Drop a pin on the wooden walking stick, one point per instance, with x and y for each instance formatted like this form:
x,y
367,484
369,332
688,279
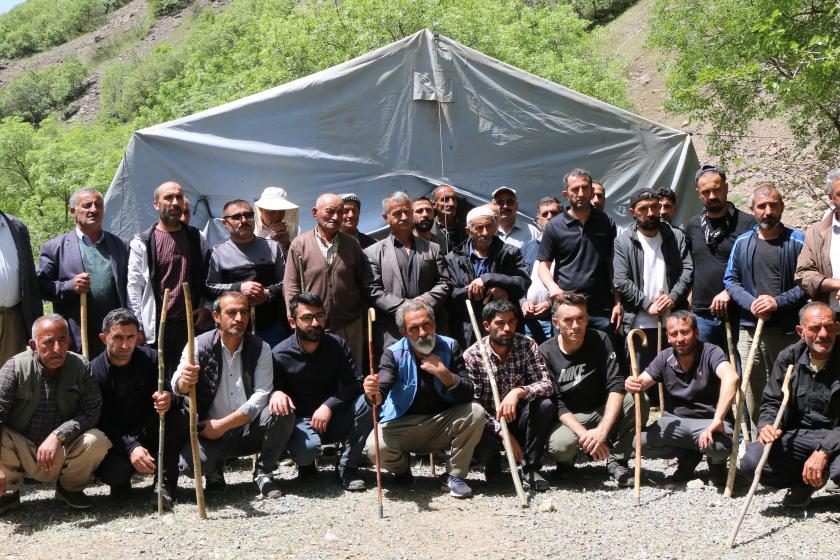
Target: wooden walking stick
x,y
162,415
371,318
637,483
253,320
730,341
83,324
661,386
740,426
196,454
485,357
764,454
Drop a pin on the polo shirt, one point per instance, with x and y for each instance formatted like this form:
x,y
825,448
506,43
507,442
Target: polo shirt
x,y
519,234
693,393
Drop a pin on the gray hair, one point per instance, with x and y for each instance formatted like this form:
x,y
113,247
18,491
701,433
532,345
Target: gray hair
x,y
811,305
764,189
48,318
75,195
577,172
411,306
832,177
400,196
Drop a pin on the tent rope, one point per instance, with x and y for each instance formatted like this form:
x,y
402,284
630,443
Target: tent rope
x,y
440,136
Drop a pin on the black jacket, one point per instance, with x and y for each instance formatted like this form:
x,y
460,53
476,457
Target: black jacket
x,y
30,297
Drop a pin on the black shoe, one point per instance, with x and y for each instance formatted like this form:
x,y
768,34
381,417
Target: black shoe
x,y
686,467
168,496
717,473
9,501
307,472
405,479
620,472
214,480
534,481
76,500
350,478
798,496
267,486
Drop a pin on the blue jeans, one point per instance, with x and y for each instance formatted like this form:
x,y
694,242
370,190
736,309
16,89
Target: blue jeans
x,y
352,423
539,330
275,334
713,329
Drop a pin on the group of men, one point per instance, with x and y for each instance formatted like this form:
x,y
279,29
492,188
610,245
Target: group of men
x,y
280,360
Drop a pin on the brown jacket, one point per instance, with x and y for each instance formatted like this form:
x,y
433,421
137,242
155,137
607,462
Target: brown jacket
x,y
343,285
814,264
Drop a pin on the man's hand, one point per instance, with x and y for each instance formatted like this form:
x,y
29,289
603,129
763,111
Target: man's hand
x,y
81,283
590,440
616,315
497,293
142,460
280,404
707,437
46,452
813,474
528,310
632,385
541,307
211,429
768,435
719,304
764,306
162,401
507,408
475,289
371,388
554,292
431,364
189,377
660,305
321,418
255,292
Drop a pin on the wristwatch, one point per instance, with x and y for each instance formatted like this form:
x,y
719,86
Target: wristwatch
x,y
59,436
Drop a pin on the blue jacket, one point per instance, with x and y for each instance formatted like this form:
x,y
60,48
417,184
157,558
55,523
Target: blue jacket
x,y
738,278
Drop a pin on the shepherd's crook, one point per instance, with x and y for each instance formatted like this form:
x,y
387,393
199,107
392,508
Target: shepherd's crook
x,y
83,320
514,471
196,453
161,368
637,482
371,319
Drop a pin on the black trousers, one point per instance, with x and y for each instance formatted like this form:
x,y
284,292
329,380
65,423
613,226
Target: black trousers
x,y
784,465
532,425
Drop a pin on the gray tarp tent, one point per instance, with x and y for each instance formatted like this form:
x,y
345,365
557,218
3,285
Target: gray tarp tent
x,y
407,116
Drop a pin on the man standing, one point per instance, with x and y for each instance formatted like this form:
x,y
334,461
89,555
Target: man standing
x,y
165,256
350,222
447,226
319,384
86,260
700,385
524,386
233,378
426,400
424,219
404,268
667,205
536,305
599,196
711,236
508,230
251,265
20,300
818,267
335,269
809,451
760,279
49,405
595,415
482,269
127,377
277,217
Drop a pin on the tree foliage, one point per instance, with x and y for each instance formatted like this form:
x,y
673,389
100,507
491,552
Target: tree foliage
x,y
36,93
735,62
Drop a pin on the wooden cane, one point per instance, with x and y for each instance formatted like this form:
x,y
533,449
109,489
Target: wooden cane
x,y
514,471
432,464
253,320
739,427
661,386
730,341
301,269
83,324
747,370
162,415
196,454
371,318
637,483
764,454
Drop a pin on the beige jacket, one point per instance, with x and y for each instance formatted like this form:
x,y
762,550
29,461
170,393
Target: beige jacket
x,y
814,264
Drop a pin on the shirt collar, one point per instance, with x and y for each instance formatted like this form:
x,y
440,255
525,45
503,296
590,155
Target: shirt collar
x,y
235,352
323,240
86,240
397,243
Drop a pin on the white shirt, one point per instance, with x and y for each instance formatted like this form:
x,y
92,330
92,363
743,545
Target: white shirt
x,y
9,267
834,256
518,235
653,278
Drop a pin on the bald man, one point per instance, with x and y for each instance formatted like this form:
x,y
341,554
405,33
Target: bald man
x,y
333,267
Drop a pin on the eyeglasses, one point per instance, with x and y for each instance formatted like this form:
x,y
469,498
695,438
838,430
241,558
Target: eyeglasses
x,y
240,216
307,319
505,201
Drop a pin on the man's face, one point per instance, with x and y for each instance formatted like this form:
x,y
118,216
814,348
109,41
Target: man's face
x,y
681,336
120,342
667,210
51,343
186,215
599,196
502,328
309,322
233,317
329,213
169,203
646,214
482,230
819,330
350,219
546,212
239,221
767,210
507,204
571,322
272,217
578,192
90,208
399,216
712,191
420,331
424,215
446,204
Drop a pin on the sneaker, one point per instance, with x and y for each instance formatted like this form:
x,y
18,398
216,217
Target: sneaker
x,y
457,487
350,478
405,479
9,501
798,496
214,481
685,468
717,473
168,496
534,481
267,486
76,500
620,472
831,487
307,472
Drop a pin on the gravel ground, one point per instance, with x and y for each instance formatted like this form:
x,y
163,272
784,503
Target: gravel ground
x,y
592,519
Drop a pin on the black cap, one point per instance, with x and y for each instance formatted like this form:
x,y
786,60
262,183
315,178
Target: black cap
x,y
642,194
708,167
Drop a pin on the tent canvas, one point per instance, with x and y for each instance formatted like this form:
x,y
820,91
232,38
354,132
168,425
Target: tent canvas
x,y
408,116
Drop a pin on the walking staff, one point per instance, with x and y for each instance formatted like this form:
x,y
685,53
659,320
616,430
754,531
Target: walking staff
x,y
196,454
740,426
161,369
371,318
83,320
637,483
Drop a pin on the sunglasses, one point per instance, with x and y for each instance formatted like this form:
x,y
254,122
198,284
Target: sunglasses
x,y
240,216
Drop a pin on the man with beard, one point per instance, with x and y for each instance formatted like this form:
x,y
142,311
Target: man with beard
x,y
426,400
525,387
482,269
251,265
233,376
88,260
760,279
424,219
447,226
700,385
508,230
599,196
653,270
319,384
667,205
536,305
711,235
350,222
808,453
165,256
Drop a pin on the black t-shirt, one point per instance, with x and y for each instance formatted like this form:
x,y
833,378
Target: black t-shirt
x,y
582,254
710,261
691,394
765,269
583,380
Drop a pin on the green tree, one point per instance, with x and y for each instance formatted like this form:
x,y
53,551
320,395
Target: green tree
x,y
36,93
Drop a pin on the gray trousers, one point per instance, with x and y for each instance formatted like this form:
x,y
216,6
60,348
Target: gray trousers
x,y
676,437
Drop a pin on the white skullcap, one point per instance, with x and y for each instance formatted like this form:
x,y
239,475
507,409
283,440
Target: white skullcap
x,y
480,212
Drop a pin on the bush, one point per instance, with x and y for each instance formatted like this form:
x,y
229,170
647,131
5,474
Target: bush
x,y
166,7
37,93
126,87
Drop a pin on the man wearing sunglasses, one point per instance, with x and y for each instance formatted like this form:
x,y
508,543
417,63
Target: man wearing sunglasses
x,y
509,231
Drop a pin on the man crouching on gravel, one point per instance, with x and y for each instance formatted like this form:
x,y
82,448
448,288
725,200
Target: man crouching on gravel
x,y
700,385
426,401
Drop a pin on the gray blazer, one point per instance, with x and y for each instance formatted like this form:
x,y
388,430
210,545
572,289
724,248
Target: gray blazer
x,y
30,298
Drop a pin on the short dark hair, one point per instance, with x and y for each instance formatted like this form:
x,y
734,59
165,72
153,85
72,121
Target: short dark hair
x,y
568,298
497,307
709,168
577,172
547,201
119,316
237,202
217,305
665,192
426,198
304,298
683,315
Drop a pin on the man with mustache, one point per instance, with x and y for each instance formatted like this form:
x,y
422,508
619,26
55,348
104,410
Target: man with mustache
x,y
700,386
447,227
350,221
424,220
426,401
760,279
807,454
88,260
504,198
319,384
536,305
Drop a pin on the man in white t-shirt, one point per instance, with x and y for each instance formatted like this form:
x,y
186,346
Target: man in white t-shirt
x,y
653,271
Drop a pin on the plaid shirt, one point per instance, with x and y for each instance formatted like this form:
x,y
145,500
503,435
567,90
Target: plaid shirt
x,y
524,368
329,250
